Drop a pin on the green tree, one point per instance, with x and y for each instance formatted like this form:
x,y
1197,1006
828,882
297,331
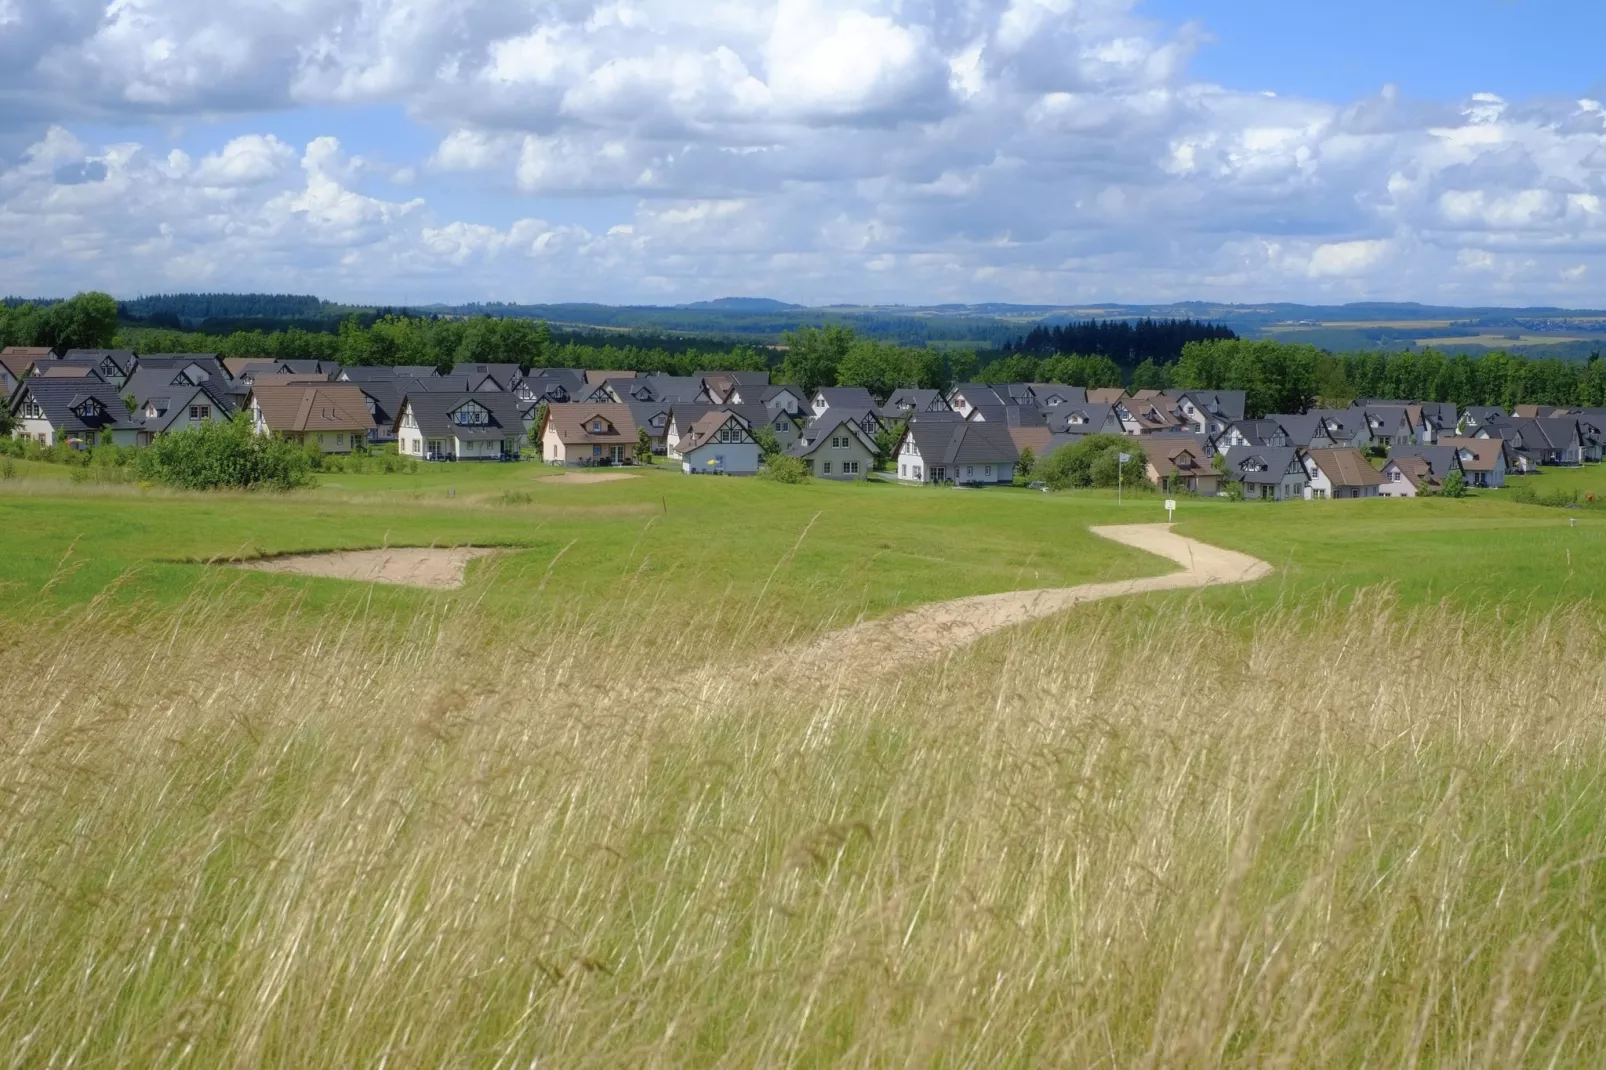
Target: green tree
x,y
219,454
784,468
769,446
1454,485
1093,462
87,321
1024,466
534,434
644,446
1150,376
813,355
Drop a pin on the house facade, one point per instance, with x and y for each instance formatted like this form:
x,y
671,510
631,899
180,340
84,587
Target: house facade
x,y
1340,473
471,426
331,416
581,435
719,443
836,449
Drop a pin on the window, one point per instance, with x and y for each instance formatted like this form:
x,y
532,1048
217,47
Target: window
x,y
472,416
916,470
903,470
970,470
826,468
200,412
596,427
850,468
988,472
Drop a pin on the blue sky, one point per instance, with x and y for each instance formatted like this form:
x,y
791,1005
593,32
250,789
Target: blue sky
x,y
813,150
1430,48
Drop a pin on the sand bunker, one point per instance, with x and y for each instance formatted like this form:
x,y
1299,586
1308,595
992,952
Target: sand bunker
x,y
588,477
413,566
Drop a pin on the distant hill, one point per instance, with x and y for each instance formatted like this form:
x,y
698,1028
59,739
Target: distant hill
x,y
741,304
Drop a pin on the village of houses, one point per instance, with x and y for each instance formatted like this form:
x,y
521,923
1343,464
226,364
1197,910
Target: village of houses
x,y
973,434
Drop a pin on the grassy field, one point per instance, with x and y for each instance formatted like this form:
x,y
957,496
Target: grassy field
x,y
1349,815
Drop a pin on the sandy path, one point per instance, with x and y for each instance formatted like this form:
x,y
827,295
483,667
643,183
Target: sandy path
x,y
930,630
413,566
587,477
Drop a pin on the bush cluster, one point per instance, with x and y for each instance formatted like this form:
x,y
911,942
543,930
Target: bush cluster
x,y
784,468
1093,462
227,454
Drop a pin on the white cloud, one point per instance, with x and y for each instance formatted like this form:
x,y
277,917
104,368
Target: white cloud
x,y
1034,150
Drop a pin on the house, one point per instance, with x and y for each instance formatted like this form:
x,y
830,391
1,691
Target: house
x,y
85,411
580,434
383,373
867,419
1039,440
171,399
900,403
856,398
784,397
1089,419
735,388
1482,460
113,365
1342,427
1477,416
502,377
1397,425
1266,473
1340,473
476,425
966,397
1207,412
1540,441
196,367
1147,416
324,369
383,398
15,362
1179,462
836,448
1303,430
1053,395
1263,432
718,443
1106,395
57,369
331,416
1414,471
964,452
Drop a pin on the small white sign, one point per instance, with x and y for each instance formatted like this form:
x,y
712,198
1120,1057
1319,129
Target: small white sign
x,y
1125,457
1170,508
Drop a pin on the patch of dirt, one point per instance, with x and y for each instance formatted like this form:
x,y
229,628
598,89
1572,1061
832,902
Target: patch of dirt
x,y
588,477
935,629
411,566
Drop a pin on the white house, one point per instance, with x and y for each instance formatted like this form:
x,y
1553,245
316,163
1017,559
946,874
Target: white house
x,y
719,443
473,426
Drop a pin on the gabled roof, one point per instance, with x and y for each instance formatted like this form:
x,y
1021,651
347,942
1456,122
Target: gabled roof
x,y
1039,439
1106,395
1259,465
1302,428
1440,459
824,428
302,407
1170,454
1346,467
57,369
1092,417
847,397
1225,404
1416,471
64,402
965,442
1042,393
975,394
705,430
436,414
505,376
1257,432
592,423
157,413
913,399
122,359
207,363
597,376
1476,454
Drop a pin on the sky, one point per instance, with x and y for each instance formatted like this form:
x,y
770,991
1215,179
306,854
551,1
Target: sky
x,y
818,151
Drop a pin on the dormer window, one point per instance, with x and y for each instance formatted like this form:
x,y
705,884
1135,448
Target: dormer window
x,y
472,415
31,409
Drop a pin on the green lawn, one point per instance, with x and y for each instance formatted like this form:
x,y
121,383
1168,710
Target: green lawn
x,y
664,542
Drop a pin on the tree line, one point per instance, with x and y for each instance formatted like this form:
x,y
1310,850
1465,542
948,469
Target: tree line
x,y
1126,343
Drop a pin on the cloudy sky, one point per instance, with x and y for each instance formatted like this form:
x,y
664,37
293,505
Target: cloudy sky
x,y
915,151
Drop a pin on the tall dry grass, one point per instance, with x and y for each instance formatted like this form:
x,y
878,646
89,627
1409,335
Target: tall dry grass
x,y
1357,836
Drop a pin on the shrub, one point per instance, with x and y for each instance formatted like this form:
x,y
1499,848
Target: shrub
x,y
1454,486
1093,462
8,468
784,468
225,454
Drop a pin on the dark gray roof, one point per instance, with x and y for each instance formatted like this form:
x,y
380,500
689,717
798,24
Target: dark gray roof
x,y
124,359
207,362
64,401
1095,417
847,397
966,442
976,394
311,367
178,400
1441,459
1227,404
913,399
1071,395
1257,465
1258,432
506,376
831,423
434,413
1300,427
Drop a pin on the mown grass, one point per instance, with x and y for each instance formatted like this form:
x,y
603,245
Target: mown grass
x,y
1331,834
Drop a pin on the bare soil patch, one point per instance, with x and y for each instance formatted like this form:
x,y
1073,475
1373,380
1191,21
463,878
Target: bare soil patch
x,y
411,566
588,477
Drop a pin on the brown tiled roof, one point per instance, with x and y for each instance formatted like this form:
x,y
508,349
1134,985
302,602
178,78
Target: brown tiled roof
x,y
1037,439
706,427
1168,455
1106,395
1485,452
595,377
1416,470
57,370
236,365
324,406
573,421
1346,468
